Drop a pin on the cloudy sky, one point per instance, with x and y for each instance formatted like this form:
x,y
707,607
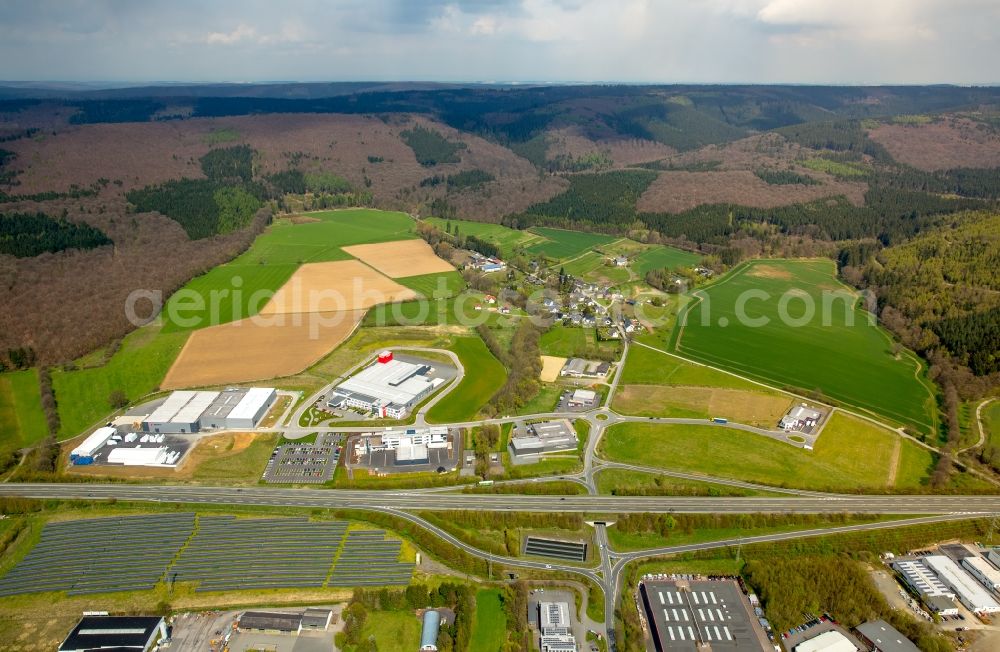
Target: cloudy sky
x,y
798,41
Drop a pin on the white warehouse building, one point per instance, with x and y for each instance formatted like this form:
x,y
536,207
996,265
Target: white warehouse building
x,y
983,571
922,579
969,592
388,388
188,411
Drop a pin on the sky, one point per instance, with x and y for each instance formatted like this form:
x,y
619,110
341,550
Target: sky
x,y
643,41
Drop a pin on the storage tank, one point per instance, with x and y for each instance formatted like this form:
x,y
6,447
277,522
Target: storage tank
x,y
429,633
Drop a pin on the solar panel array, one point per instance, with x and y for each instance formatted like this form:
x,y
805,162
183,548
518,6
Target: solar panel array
x,y
223,553
100,555
369,559
229,554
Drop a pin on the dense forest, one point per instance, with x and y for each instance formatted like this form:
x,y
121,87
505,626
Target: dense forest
x,y
29,234
430,147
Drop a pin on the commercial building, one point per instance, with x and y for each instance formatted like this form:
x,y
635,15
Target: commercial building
x,y
545,437
159,456
828,641
580,368
582,398
555,627
800,417
967,590
115,633
983,571
940,605
389,388
188,412
410,445
922,579
270,621
883,637
429,631
315,619
993,554
691,615
84,453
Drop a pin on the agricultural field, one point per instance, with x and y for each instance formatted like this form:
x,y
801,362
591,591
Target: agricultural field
x,y
506,238
849,455
484,376
251,279
756,408
137,369
661,257
436,285
22,421
489,626
561,244
568,342
335,286
835,349
645,366
400,258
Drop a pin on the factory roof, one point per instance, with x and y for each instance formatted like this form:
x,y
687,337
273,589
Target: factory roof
x,y
251,403
885,637
828,641
138,456
170,407
102,632
315,617
395,381
553,615
922,578
584,395
984,568
94,441
194,408
276,620
971,592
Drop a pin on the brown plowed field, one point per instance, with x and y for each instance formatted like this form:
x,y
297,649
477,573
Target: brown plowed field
x,y
674,192
259,348
334,286
753,408
947,143
401,258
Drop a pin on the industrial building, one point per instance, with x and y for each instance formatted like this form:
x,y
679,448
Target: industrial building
x,y
139,456
940,605
582,398
84,453
389,388
691,615
829,641
922,579
983,571
969,592
580,368
429,631
800,417
883,637
270,621
545,437
188,411
555,627
115,633
993,554
411,446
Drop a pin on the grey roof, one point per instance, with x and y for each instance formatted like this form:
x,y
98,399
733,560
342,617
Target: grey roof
x,y
313,617
885,637
276,620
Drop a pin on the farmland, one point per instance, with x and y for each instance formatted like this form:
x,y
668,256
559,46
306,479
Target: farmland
x,y
251,279
483,378
663,257
22,421
508,239
850,455
561,244
569,342
436,285
758,408
847,358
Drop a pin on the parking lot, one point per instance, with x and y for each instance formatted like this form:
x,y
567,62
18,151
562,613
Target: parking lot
x,y
305,463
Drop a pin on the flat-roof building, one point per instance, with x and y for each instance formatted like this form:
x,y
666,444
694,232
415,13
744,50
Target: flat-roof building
x,y
883,637
582,398
941,605
983,571
545,437
115,633
388,388
969,592
84,453
580,368
922,579
138,456
555,627
251,408
188,412
828,641
800,416
993,554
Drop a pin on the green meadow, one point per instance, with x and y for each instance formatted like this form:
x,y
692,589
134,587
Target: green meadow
x,y
834,348
22,422
563,244
243,286
484,376
506,238
661,257
489,626
440,285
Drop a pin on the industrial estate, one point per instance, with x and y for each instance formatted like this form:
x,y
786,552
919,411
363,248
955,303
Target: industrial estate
x,y
494,369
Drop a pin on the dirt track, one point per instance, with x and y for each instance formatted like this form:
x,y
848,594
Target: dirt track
x,y
401,258
259,348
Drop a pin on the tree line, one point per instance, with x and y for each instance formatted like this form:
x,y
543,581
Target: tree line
x,y
524,365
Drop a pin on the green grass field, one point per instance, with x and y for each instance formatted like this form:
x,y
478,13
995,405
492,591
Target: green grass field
x,y
991,422
244,467
562,244
570,341
850,454
644,366
663,257
22,422
249,280
484,376
136,369
507,239
620,482
489,627
437,286
848,362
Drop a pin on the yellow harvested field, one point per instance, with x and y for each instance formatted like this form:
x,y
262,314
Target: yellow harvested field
x,y
259,348
753,408
551,366
401,258
335,286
